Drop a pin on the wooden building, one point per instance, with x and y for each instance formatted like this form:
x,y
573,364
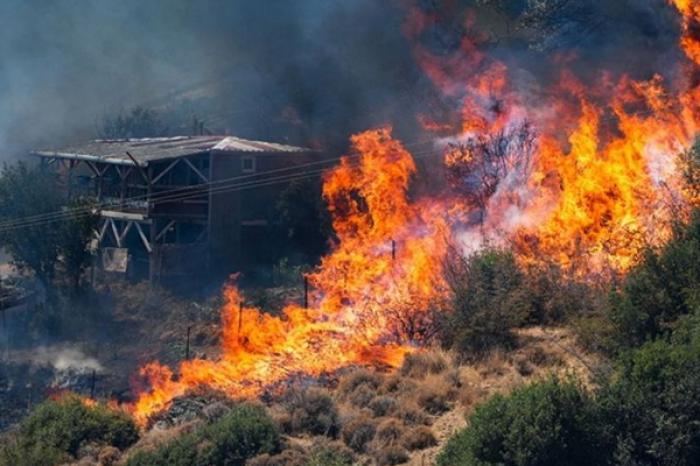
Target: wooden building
x,y
177,206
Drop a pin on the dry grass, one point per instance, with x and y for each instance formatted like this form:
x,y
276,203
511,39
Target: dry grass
x,y
418,438
389,432
358,433
420,364
391,455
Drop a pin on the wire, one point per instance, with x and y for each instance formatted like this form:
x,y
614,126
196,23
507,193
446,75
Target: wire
x,y
57,215
192,191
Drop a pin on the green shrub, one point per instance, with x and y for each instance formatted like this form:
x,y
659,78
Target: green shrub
x,y
55,431
489,299
662,288
652,408
246,431
546,423
325,453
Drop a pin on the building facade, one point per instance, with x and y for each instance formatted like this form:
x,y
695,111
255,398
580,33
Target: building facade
x,y
173,207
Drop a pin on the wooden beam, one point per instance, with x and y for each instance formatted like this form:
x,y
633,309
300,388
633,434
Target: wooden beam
x,y
164,230
194,169
126,229
165,171
138,167
143,238
115,232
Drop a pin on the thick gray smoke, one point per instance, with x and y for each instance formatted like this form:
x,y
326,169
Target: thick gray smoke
x,y
303,71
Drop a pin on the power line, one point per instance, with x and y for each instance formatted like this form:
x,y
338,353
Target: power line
x,y
189,192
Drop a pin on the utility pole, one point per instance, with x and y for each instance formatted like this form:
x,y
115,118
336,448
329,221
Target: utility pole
x,y
393,249
306,292
240,320
187,343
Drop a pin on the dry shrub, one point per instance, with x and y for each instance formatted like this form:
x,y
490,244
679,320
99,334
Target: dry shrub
x,y
395,384
389,432
412,414
324,452
361,396
383,405
418,438
289,457
358,432
391,455
357,378
418,365
523,367
313,411
436,394
541,358
108,456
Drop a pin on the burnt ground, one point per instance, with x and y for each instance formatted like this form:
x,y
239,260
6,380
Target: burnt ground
x,y
111,332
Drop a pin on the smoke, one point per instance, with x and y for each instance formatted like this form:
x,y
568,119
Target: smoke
x,y
65,359
308,72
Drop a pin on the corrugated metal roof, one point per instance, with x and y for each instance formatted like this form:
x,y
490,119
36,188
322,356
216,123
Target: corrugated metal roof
x,y
146,150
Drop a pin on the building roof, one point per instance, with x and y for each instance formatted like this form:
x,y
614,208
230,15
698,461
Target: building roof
x,y
145,150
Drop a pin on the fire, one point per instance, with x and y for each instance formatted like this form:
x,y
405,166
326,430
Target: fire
x,y
363,290
581,175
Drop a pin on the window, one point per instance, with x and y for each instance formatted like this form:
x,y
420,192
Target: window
x,y
248,164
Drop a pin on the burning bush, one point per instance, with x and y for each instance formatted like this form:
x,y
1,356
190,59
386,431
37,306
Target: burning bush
x,y
56,430
241,434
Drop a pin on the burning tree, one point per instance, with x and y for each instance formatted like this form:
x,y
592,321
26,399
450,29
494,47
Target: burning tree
x,y
478,166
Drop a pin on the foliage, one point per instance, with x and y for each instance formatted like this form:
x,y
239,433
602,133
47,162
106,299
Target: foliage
x,y
488,299
662,288
243,433
56,430
547,423
358,432
652,410
29,193
139,122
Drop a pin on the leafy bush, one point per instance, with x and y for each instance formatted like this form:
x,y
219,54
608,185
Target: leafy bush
x,y
662,288
246,431
56,430
488,299
333,453
547,423
652,409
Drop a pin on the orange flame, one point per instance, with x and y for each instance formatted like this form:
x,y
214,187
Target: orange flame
x,y
590,179
360,290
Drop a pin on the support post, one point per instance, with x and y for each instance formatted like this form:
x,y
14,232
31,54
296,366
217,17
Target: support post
x,y
240,320
306,292
393,249
187,344
92,384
